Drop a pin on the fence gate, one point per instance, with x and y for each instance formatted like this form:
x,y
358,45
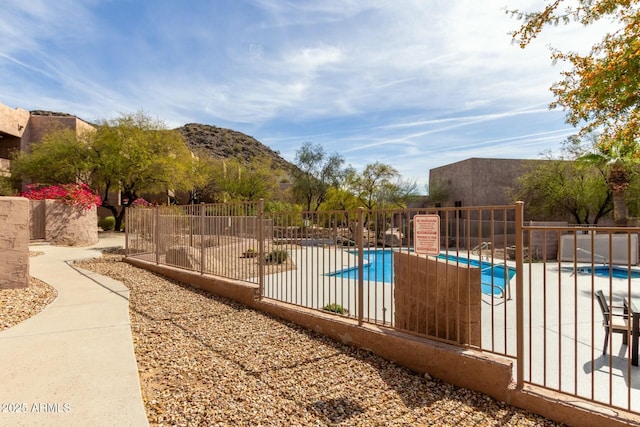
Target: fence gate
x,y
37,219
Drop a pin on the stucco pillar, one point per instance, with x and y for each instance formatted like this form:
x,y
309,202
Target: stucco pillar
x,y
14,242
68,225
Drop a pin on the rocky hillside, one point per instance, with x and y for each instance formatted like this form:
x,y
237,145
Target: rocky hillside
x,y
226,143
219,142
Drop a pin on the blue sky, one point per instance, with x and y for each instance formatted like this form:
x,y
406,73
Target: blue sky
x,y
416,84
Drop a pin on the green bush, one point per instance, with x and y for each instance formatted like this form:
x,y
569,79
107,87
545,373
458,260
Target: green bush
x,y
5,187
335,308
277,256
107,224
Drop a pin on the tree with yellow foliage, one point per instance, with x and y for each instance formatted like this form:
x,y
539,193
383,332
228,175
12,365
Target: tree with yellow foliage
x,y
601,91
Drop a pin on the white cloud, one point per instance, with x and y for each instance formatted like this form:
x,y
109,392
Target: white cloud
x,y
388,79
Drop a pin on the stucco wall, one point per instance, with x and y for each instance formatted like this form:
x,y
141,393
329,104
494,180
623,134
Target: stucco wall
x,y
624,248
14,242
13,121
437,299
68,225
21,129
13,124
544,244
39,126
480,181
5,167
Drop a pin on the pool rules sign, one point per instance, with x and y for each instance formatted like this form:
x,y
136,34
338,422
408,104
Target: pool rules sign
x,y
426,234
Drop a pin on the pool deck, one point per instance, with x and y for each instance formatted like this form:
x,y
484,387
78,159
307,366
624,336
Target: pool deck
x,y
563,323
562,316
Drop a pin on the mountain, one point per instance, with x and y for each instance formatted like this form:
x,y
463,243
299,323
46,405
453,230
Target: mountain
x,y
226,144
221,143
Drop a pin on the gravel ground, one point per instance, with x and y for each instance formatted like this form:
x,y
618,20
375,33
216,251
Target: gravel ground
x,y
20,304
205,360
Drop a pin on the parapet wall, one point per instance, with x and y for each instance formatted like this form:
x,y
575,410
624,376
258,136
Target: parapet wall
x,y
14,242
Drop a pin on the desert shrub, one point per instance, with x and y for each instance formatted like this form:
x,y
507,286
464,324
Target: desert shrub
x,y
5,187
335,308
277,256
107,224
140,203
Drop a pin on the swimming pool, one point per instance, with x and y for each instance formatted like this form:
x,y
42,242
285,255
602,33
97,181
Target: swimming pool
x,y
378,267
494,278
606,271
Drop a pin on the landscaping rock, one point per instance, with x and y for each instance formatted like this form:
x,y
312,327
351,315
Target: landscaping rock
x,y
184,256
205,360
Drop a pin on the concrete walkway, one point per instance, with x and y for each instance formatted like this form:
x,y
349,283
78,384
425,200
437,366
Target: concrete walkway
x,y
73,364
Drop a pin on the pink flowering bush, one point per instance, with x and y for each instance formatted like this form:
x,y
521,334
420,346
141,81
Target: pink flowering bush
x,y
72,194
141,203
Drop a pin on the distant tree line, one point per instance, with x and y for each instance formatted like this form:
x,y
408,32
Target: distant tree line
x,y
136,156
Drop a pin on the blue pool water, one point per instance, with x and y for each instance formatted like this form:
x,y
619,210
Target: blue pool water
x,y
492,276
379,267
615,272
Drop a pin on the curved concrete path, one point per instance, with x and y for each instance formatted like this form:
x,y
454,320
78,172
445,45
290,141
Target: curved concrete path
x,y
72,364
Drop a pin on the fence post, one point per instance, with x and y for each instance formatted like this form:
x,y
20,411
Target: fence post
x,y
157,233
202,246
519,296
190,215
360,246
127,213
261,254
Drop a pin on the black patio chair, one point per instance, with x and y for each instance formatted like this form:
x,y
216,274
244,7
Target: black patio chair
x,y
617,322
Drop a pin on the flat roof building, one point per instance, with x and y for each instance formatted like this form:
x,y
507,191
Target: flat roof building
x,y
20,128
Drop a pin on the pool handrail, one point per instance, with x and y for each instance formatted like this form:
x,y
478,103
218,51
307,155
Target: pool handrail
x,y
605,261
507,282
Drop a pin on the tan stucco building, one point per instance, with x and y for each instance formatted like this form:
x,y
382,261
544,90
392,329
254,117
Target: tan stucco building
x,y
20,128
477,181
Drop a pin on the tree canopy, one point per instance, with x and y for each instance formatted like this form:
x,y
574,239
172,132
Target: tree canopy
x,y
133,154
561,187
600,90
61,157
620,162
230,180
6,189
379,186
317,172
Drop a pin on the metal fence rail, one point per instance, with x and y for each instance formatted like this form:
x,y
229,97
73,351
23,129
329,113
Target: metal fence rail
x,y
536,302
564,326
218,239
340,261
